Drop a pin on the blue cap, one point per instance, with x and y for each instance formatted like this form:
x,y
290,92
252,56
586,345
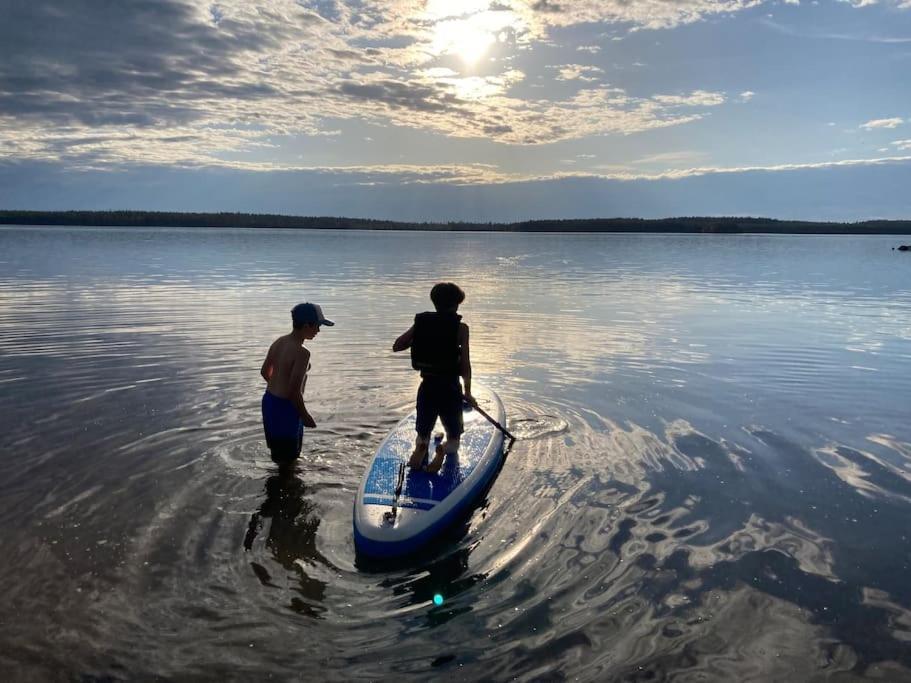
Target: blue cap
x,y
309,313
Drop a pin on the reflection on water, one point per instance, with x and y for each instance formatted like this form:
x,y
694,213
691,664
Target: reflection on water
x,y
293,522
712,478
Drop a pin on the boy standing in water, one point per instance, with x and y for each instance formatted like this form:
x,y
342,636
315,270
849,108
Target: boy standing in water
x,y
439,350
285,371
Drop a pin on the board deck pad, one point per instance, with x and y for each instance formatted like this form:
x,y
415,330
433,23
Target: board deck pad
x,y
423,490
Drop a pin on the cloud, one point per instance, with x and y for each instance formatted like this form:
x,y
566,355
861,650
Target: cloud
x,y
194,82
159,65
814,191
882,123
644,14
900,4
479,108
746,96
699,98
664,158
404,174
775,168
190,81
903,145
413,96
571,72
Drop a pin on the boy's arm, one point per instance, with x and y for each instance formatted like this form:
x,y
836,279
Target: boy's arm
x,y
298,384
266,369
404,341
465,362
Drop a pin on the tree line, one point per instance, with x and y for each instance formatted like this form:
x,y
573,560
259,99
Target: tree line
x,y
692,224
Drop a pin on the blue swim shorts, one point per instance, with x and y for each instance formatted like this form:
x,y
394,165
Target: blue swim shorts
x,y
283,427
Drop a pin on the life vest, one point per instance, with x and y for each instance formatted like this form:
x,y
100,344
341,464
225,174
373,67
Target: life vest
x,y
435,346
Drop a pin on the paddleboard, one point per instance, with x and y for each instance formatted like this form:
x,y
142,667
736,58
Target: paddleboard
x,y
427,503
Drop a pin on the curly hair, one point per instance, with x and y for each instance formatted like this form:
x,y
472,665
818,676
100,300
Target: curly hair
x,y
446,295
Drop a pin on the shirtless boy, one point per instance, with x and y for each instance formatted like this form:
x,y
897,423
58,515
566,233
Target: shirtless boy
x,y
285,371
439,350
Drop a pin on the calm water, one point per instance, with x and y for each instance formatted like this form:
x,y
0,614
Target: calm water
x,y
712,481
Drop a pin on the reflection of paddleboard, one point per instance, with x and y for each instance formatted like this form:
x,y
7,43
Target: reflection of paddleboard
x,y
428,503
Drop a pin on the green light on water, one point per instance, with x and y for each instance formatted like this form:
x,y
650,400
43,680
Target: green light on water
x,y
437,599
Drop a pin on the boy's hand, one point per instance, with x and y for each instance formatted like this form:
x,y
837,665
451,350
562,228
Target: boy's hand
x,y
471,400
308,421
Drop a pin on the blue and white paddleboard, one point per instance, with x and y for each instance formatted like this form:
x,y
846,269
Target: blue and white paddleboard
x,y
427,503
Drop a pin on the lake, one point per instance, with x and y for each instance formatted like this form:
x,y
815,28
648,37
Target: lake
x,y
712,478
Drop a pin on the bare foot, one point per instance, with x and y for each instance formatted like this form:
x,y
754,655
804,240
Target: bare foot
x,y
437,461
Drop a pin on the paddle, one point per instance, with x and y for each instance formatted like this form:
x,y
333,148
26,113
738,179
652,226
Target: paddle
x,y
496,424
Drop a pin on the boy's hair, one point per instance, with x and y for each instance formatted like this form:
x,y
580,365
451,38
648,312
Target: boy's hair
x,y
446,295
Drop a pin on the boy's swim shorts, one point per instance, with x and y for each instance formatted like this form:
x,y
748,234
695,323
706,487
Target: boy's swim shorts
x,y
439,397
283,427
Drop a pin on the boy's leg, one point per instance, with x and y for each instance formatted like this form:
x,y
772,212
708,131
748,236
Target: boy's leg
x,y
426,417
288,449
450,404
451,417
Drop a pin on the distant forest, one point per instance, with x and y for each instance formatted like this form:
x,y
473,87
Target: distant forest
x,y
731,225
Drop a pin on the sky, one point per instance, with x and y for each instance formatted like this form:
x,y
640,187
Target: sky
x,y
479,110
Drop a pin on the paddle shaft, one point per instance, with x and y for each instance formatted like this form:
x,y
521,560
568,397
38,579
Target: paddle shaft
x,y
491,420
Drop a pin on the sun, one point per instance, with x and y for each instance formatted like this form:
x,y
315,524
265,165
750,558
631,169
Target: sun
x,y
467,38
468,29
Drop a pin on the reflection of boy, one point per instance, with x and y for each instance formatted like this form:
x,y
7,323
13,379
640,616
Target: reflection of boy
x,y
285,371
439,350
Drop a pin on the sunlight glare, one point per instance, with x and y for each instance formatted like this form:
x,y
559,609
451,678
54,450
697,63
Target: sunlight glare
x,y
463,37
467,29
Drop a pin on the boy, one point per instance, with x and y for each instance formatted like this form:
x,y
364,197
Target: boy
x,y
285,371
439,350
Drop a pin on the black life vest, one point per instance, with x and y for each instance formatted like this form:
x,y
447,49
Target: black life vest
x,y
435,348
